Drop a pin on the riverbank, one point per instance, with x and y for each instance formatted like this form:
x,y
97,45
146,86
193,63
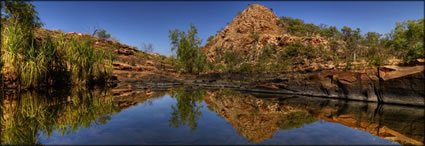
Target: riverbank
x,y
387,84
395,84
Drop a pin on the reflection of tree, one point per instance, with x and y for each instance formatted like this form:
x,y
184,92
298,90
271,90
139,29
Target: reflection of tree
x,y
26,115
187,108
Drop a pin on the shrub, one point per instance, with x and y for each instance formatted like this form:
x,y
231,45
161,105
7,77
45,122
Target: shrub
x,y
375,60
210,38
219,67
294,49
239,13
232,59
415,53
245,67
103,35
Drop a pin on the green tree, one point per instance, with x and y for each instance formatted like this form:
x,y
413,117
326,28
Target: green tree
x,y
20,12
298,27
187,46
352,38
407,39
374,52
311,29
103,34
372,38
346,31
330,32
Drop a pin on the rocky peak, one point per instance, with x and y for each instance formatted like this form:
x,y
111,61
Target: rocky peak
x,y
249,31
255,18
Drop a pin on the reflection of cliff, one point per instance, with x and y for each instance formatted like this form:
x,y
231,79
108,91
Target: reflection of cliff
x,y
129,95
398,123
65,111
254,118
258,119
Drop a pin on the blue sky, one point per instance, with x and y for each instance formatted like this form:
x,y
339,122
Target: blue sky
x,y
134,23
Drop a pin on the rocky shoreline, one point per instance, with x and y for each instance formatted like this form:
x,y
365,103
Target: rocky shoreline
x,y
387,84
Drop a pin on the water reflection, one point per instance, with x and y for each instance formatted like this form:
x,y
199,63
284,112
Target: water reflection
x,y
257,119
254,118
27,114
31,116
187,109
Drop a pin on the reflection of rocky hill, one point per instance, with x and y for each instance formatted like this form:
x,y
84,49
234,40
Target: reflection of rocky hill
x,y
254,118
258,119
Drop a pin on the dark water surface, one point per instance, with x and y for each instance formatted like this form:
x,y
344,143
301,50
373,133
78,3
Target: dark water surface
x,y
120,116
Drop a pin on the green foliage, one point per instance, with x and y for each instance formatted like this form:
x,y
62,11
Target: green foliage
x,y
85,63
415,52
232,60
297,49
372,38
334,45
352,38
210,38
407,40
103,35
189,54
245,67
22,55
271,60
375,60
264,58
330,32
219,67
41,61
298,27
20,12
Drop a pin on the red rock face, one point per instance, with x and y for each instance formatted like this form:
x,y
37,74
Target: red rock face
x,y
250,31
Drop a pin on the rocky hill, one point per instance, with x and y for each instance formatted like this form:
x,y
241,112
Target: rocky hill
x,y
253,29
238,35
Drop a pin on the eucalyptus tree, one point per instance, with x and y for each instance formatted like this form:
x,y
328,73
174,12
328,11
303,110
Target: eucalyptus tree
x,y
187,46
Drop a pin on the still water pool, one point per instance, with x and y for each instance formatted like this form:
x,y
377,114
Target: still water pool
x,y
202,117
